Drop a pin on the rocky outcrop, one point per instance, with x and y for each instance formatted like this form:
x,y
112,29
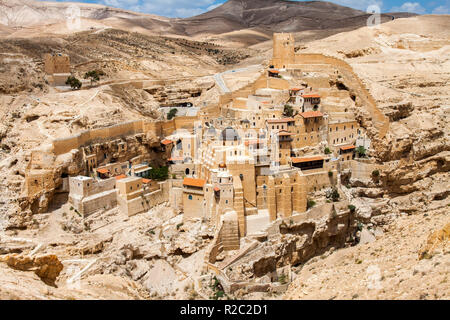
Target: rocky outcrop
x,y
438,239
46,267
295,240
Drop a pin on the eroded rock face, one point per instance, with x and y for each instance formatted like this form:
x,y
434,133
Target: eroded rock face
x,y
437,240
46,267
297,242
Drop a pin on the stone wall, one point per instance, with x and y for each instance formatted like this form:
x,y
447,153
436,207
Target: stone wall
x,y
144,202
380,121
158,128
56,64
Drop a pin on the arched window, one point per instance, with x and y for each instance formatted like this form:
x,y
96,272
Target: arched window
x,y
190,197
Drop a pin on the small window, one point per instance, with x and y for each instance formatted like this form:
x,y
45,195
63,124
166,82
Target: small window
x,y
190,197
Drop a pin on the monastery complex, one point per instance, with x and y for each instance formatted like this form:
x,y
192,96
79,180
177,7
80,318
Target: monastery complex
x,y
239,166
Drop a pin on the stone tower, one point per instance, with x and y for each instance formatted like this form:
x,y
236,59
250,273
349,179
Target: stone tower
x,y
283,50
56,63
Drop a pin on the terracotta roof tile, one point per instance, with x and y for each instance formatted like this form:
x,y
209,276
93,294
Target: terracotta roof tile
x,y
103,170
311,114
282,120
122,176
166,142
302,160
312,95
191,182
285,133
348,147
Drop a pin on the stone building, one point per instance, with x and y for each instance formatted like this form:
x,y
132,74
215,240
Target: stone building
x,y
194,202
57,67
136,195
342,133
87,195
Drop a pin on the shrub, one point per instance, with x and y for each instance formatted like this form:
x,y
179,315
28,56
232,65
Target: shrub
x,y
352,208
310,203
172,114
288,111
334,195
74,83
159,174
327,150
361,151
376,173
219,294
330,174
282,279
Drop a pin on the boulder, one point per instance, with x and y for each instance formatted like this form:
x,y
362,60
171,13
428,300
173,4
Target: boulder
x,y
46,267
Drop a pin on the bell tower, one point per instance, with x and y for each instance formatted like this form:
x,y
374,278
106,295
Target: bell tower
x,y
283,50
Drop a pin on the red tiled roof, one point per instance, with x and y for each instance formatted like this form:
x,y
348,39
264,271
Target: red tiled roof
x,y
312,95
103,170
301,160
175,159
222,165
295,89
251,142
312,114
122,176
199,183
273,71
216,189
285,133
280,120
166,142
348,147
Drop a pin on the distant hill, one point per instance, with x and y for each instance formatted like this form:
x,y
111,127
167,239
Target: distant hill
x,y
278,16
262,17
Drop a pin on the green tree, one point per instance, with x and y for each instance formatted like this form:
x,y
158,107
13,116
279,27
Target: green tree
x,y
94,75
361,151
288,111
159,174
327,150
172,113
74,83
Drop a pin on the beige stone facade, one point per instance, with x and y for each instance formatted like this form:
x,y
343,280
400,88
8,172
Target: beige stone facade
x,y
87,195
283,50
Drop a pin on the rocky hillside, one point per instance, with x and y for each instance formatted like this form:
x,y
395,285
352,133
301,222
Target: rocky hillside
x,y
17,13
404,209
